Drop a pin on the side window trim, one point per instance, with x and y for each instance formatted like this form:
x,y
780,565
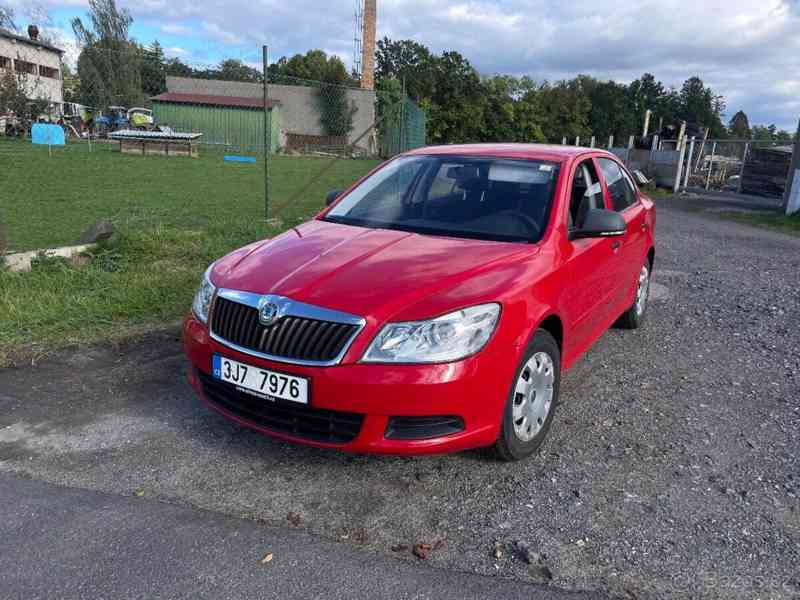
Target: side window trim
x,y
580,170
609,205
575,172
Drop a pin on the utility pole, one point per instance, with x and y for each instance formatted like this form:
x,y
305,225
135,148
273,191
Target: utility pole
x,y
267,133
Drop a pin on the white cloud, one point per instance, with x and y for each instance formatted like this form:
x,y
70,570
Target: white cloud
x,y
746,49
222,35
176,51
176,29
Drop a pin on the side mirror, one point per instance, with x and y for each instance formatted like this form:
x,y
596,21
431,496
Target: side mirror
x,y
600,222
332,196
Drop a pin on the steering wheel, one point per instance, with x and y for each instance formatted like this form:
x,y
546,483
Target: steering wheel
x,y
527,219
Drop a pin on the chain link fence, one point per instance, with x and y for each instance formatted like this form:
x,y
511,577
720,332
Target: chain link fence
x,y
261,151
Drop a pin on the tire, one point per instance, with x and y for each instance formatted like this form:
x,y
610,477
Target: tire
x,y
514,442
633,318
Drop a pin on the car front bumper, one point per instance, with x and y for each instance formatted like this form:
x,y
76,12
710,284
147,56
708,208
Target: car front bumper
x,y
474,390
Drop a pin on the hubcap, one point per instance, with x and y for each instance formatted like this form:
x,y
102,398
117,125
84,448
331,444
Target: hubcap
x,y
533,396
642,290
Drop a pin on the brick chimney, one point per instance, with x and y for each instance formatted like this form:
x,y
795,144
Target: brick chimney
x,y
368,47
33,32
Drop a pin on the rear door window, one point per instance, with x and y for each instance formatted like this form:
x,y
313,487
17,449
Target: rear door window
x,y
619,186
586,193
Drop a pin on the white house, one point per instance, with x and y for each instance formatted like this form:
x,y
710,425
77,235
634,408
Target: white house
x,y
38,62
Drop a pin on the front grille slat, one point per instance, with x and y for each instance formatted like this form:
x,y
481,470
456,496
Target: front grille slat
x,y
299,420
336,339
310,336
288,331
240,321
291,337
297,338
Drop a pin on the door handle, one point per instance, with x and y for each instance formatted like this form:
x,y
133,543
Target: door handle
x,y
644,226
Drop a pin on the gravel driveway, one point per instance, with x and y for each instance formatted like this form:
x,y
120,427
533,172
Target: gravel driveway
x,y
671,469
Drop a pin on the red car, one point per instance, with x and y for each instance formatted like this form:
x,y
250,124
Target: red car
x,y
432,307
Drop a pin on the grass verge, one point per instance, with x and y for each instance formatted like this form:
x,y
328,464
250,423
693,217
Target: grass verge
x,y
173,215
784,223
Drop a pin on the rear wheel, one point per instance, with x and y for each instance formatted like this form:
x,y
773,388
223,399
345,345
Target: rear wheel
x,y
634,316
532,400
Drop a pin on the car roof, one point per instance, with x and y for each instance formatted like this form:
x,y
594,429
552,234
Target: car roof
x,y
549,152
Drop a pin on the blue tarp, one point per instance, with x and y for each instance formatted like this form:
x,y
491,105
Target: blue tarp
x,y
241,159
47,134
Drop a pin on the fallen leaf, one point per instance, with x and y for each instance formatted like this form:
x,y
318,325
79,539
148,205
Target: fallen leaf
x,y
139,493
422,550
266,559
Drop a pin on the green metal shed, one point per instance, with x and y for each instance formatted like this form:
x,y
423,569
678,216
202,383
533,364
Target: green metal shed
x,y
233,121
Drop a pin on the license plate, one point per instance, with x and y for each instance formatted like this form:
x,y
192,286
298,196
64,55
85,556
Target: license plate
x,y
262,383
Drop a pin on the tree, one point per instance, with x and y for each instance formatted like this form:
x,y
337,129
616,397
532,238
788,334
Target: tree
x,y
739,126
770,133
306,69
14,99
457,107
645,94
407,61
608,114
174,67
235,70
153,69
565,110
700,105
513,112
109,62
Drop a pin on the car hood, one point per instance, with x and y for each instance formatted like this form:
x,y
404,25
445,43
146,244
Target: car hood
x,y
368,272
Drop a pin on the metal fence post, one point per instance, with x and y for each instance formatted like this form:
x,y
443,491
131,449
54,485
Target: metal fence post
x,y
741,171
653,149
591,142
610,142
564,141
267,133
679,170
403,137
689,163
711,164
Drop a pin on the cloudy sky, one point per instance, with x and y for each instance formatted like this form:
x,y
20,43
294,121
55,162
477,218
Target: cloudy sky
x,y
748,50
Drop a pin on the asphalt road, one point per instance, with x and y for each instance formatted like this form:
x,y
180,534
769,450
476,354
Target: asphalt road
x,y
671,469
65,543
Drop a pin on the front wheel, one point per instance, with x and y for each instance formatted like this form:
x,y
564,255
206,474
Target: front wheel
x,y
634,316
532,400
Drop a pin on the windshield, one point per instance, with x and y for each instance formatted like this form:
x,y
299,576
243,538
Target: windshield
x,y
482,198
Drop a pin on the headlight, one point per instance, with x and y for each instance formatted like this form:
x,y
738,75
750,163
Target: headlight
x,y
202,300
447,338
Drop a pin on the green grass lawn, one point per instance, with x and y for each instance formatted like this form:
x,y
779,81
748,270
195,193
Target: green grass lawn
x,y
174,216
784,223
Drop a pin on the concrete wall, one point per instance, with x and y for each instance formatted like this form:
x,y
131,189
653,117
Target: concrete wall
x,y
298,103
37,85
